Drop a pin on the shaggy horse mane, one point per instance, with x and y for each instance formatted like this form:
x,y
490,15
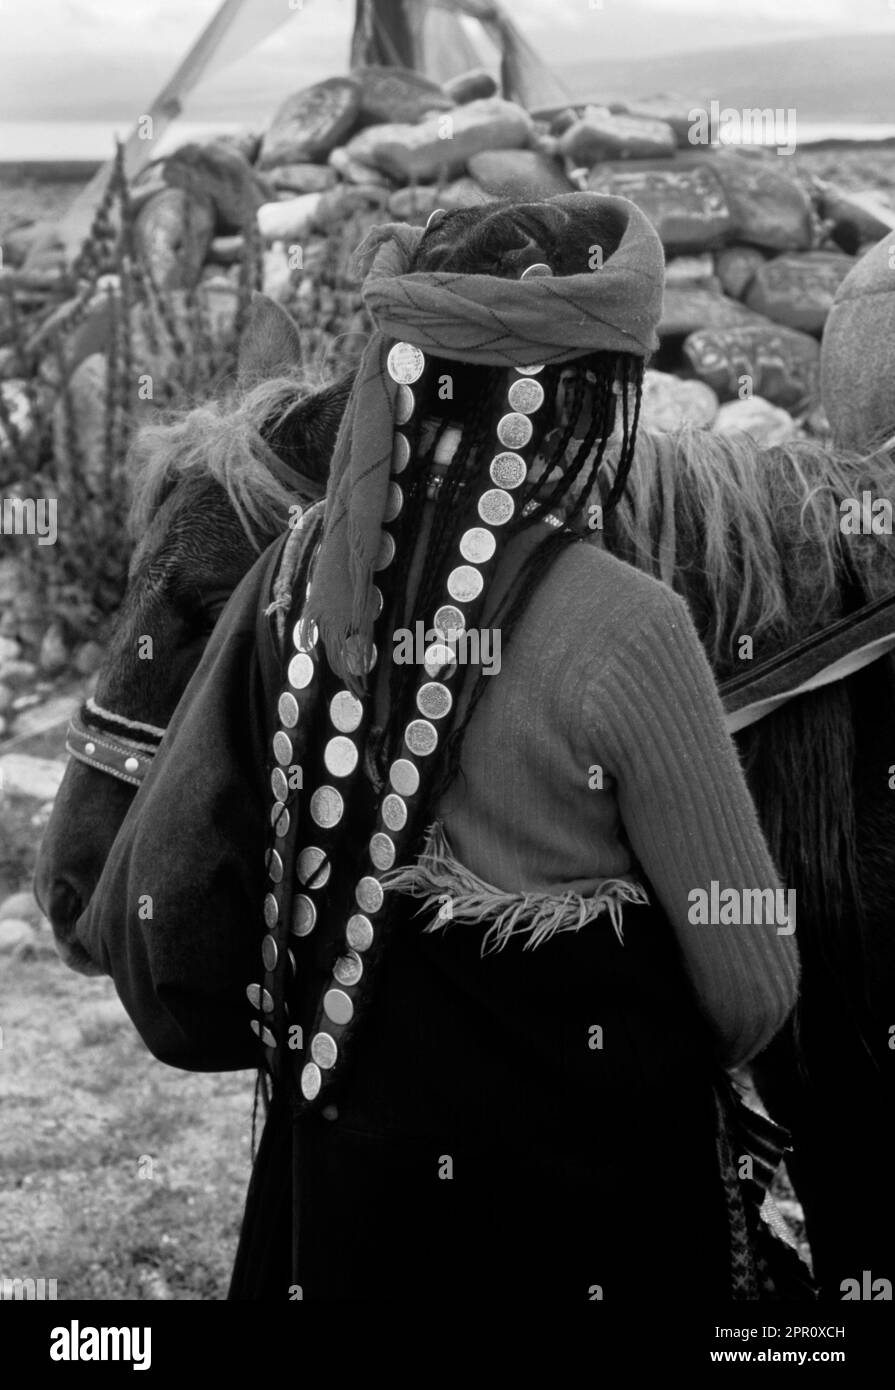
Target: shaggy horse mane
x,y
222,440
765,524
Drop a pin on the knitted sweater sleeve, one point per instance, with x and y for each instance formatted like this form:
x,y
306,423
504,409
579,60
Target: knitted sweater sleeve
x,y
689,817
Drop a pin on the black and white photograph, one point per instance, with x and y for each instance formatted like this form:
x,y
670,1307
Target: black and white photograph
x,y
447,672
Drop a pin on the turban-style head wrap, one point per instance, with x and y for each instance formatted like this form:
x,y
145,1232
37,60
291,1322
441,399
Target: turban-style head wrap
x,y
485,320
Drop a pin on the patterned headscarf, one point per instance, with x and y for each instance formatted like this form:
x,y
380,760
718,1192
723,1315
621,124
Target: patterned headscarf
x,y
479,319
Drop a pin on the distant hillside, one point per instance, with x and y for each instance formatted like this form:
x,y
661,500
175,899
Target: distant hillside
x,y
844,78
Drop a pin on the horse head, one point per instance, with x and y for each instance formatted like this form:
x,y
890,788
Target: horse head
x,y
213,489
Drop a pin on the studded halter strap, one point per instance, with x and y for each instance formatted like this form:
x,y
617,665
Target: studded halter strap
x,y
107,742
302,892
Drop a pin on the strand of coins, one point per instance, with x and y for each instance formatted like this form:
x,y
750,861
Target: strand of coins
x,y
396,818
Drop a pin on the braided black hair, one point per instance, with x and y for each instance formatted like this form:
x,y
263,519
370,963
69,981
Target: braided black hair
x,y
502,240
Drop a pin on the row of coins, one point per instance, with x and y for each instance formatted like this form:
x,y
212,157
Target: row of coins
x,y
434,699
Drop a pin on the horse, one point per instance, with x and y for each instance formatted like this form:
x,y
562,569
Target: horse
x,y
751,538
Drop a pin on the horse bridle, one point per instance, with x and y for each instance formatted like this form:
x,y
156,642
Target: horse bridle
x,y
107,742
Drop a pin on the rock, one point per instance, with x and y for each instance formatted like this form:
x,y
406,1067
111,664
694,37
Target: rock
x,y
3,726
19,240
29,776
768,208
407,204
798,290
310,123
397,94
46,714
777,363
464,193
226,250
87,396
686,309
520,174
353,171
17,674
54,651
868,213
560,120
767,424
858,352
686,204
276,273
602,136
735,267
6,698
669,402
303,178
339,204
219,299
217,171
173,232
289,221
670,108
14,934
21,906
441,145
696,272
247,142
10,650
21,413
474,85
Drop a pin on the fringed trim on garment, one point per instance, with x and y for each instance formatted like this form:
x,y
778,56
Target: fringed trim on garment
x,y
460,896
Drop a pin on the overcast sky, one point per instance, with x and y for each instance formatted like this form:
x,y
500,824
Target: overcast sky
x,y
88,58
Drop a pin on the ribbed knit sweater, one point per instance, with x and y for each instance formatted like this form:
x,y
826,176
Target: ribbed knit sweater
x,y
605,672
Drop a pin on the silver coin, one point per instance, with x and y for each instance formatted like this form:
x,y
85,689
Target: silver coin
x,y
530,371
369,894
404,405
378,601
260,998
281,823
278,784
434,700
340,756
263,1033
405,363
359,663
269,952
359,932
448,620
304,915
327,807
311,1081
274,866
526,395
477,545
400,452
514,430
271,911
292,966
324,1050
301,671
393,502
465,583
508,470
346,712
287,708
382,851
282,748
536,271
404,777
305,635
312,869
348,969
496,506
394,812
386,552
439,660
338,1007
421,737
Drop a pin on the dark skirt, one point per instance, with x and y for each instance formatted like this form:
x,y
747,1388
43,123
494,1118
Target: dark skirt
x,y
489,1142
